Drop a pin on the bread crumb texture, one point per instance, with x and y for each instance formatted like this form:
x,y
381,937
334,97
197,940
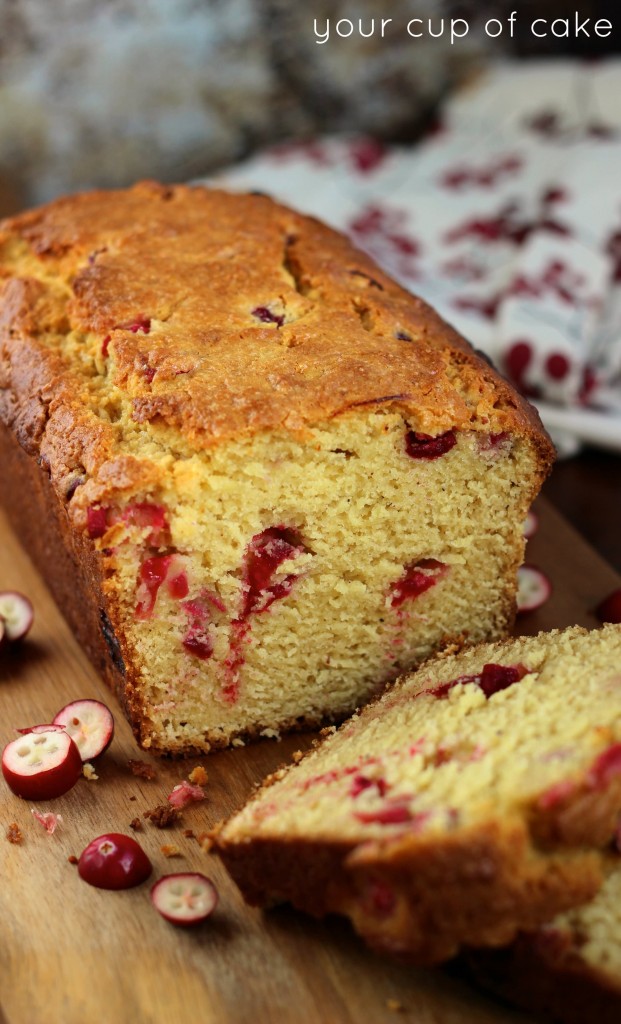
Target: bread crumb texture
x,y
299,480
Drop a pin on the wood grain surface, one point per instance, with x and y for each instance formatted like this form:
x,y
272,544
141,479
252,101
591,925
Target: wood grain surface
x,y
71,954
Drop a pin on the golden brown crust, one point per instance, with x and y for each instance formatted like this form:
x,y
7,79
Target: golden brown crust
x,y
476,887
196,263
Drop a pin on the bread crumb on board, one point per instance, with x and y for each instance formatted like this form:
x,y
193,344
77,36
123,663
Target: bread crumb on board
x,y
162,816
170,850
14,834
198,776
141,769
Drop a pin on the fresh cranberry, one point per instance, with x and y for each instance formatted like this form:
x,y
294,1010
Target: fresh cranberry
x,y
184,899
266,316
423,446
42,764
16,615
606,766
609,610
114,861
90,725
96,521
417,578
153,572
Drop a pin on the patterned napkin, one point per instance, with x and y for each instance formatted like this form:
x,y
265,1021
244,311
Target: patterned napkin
x,y
507,219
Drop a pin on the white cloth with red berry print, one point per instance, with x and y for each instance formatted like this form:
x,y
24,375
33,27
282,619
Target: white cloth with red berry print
x,y
507,219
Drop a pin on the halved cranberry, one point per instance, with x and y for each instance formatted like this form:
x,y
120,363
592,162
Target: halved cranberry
x,y
424,446
16,615
534,588
96,521
184,899
153,572
267,317
41,765
114,861
417,578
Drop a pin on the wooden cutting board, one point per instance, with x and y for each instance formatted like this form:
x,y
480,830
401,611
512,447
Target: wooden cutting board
x,y
71,954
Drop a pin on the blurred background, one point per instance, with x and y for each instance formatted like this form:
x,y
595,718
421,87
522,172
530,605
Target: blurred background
x,y
483,173
101,92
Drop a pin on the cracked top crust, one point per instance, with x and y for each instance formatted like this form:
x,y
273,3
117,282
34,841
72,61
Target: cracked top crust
x,y
219,315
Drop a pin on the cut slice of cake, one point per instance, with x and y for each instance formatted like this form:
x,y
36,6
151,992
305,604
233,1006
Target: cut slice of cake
x,y
259,477
569,969
473,799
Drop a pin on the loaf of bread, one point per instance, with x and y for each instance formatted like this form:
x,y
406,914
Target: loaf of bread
x,y
469,801
260,479
571,968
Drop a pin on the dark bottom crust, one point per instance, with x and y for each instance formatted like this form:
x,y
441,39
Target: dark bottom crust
x,y
563,988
